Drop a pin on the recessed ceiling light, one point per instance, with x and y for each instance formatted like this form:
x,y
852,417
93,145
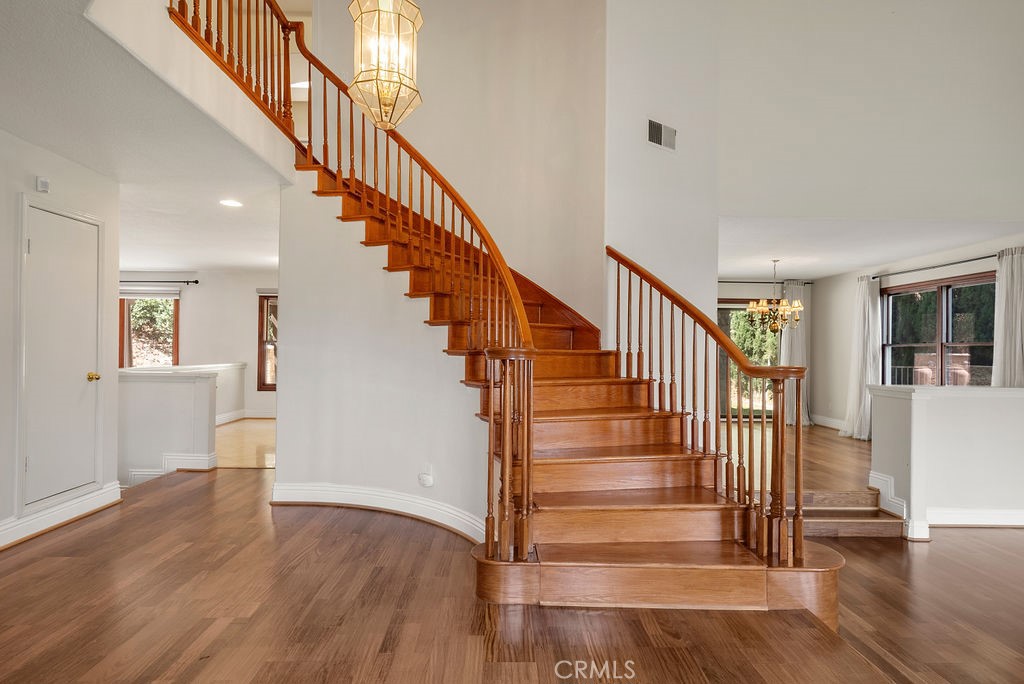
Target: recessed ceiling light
x,y
231,203
301,84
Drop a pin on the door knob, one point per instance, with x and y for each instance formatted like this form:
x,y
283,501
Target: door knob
x,y
92,377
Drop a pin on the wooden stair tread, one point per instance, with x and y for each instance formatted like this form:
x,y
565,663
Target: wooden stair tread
x,y
840,514
634,499
637,452
540,352
631,412
699,554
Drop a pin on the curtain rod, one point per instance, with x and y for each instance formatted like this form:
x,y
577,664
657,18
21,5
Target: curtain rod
x,y
759,282
180,282
931,268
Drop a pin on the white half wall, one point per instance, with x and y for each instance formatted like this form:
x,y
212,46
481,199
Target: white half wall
x,y
366,398
513,115
73,188
661,206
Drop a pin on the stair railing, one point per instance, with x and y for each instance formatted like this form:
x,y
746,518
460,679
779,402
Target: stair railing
x,y
697,372
446,243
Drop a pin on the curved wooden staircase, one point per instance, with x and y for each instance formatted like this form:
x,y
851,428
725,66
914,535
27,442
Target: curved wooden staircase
x,y
639,476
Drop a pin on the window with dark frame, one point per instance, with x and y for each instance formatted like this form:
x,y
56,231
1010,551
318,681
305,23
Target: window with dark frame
x,y
939,332
266,380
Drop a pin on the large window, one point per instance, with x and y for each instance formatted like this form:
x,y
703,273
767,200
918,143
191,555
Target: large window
x,y
267,380
939,332
148,332
760,346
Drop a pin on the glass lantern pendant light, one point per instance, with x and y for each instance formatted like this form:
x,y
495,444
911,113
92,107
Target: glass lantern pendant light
x,y
772,315
384,86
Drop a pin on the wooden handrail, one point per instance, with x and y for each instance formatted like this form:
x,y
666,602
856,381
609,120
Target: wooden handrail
x,y
723,340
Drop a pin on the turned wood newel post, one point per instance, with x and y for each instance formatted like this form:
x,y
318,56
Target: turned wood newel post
x,y
779,527
287,86
505,533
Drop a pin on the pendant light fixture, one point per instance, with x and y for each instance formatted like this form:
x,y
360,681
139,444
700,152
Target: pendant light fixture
x,y
384,86
774,314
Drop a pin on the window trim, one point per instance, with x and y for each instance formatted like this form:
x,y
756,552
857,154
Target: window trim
x,y
942,287
261,353
122,317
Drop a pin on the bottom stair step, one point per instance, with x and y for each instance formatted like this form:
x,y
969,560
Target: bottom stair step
x,y
705,575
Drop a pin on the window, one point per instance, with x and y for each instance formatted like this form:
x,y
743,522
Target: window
x,y
267,380
760,346
148,331
939,332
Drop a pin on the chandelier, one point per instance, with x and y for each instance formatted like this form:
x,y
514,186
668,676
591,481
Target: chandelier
x,y
774,314
384,86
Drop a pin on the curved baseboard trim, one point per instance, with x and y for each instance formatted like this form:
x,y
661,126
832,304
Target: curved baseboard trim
x,y
428,510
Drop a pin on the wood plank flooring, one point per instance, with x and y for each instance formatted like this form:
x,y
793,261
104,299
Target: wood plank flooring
x,y
196,578
249,443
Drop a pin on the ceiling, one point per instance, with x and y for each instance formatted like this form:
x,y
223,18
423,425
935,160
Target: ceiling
x,y
171,218
817,248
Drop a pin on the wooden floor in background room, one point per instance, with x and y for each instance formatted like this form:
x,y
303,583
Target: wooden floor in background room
x,y
196,578
249,443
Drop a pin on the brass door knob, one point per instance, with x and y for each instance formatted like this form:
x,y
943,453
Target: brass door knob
x,y
92,377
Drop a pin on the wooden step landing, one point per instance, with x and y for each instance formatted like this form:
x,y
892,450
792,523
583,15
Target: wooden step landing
x,y
839,522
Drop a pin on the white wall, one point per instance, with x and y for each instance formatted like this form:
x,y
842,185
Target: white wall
x,y
73,188
513,116
367,397
872,109
661,206
219,324
832,322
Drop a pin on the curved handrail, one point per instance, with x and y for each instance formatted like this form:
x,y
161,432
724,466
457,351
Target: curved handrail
x,y
723,340
504,272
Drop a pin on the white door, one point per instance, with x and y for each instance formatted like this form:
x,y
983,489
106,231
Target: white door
x,y
60,282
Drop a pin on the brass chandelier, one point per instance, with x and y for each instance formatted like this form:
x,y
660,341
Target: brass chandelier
x,y
773,315
384,86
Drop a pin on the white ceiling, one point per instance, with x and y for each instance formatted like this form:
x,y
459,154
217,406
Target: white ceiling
x,y
81,95
817,248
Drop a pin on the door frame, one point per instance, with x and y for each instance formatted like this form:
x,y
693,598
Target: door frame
x,y
21,507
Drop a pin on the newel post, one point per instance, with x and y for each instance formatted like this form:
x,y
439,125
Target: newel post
x,y
778,529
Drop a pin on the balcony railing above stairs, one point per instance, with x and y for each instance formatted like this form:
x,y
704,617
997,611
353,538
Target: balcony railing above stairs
x,y
659,335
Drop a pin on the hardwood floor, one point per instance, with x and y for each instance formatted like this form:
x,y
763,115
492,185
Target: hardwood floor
x,y
249,443
196,578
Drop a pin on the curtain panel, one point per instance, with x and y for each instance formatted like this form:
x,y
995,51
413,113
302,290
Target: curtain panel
x,y
1008,359
866,358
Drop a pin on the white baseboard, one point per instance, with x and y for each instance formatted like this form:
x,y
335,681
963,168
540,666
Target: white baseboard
x,y
252,413
15,529
174,462
887,499
383,499
825,421
916,530
140,475
976,517
230,416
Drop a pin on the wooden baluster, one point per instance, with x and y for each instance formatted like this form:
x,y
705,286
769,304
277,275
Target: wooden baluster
x,y
661,352
474,306
707,397
718,401
491,450
640,329
339,156
411,245
362,162
746,481
266,65
398,194
239,44
376,164
629,324
728,407
450,246
182,8
528,454
650,345
352,154
220,25
196,21
468,271
275,75
506,459
684,434
208,32
256,57
423,235
231,34
392,232
779,527
672,389
286,58
248,46
521,546
695,418
433,239
762,520
739,425
326,160
798,474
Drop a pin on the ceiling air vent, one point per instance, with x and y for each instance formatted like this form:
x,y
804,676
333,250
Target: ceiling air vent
x,y
661,135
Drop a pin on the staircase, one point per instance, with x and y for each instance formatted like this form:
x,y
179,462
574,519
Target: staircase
x,y
634,476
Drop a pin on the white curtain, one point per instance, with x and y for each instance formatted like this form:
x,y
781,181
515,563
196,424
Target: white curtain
x,y
796,351
866,359
1008,361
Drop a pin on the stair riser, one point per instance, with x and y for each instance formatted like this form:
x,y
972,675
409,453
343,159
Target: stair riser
x,y
636,525
568,397
444,307
552,338
606,432
693,588
590,476
852,528
574,366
